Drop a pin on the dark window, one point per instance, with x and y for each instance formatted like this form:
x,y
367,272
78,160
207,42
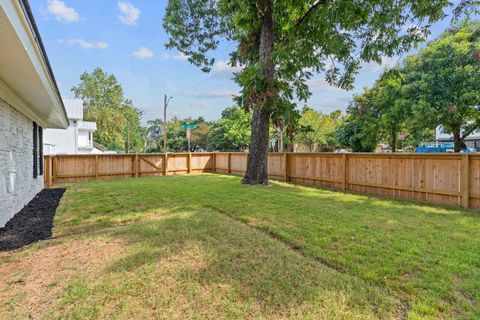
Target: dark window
x,y
40,149
35,150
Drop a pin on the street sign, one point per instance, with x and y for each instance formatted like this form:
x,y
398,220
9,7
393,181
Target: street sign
x,y
188,126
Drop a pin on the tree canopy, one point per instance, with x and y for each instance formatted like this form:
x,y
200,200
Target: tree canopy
x,y
281,44
436,87
359,131
442,82
118,121
317,130
232,131
176,135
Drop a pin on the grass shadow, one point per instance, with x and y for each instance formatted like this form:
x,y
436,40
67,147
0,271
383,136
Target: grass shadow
x,y
400,245
222,268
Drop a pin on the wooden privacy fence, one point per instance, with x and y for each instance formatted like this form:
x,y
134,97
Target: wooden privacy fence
x,y
440,178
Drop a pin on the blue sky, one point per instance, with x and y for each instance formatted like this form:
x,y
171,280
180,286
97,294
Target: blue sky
x,y
126,38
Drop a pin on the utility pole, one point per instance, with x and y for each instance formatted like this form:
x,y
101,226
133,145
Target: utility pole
x,y
165,104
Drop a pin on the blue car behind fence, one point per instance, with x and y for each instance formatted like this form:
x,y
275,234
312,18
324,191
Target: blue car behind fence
x,y
444,147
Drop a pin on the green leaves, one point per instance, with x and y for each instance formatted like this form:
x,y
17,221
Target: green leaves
x,y
317,130
232,131
330,37
437,87
118,121
309,37
195,28
443,80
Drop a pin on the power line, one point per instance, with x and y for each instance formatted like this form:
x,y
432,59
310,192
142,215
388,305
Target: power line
x,y
206,79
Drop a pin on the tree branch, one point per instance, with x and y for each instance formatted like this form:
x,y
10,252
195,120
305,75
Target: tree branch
x,y
470,129
309,12
305,16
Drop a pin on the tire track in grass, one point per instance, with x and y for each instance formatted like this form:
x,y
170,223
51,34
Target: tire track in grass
x,y
403,304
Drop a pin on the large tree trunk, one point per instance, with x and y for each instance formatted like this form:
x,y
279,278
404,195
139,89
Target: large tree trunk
x,y
457,140
257,164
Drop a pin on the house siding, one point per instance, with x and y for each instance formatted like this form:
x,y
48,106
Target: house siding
x,y
17,185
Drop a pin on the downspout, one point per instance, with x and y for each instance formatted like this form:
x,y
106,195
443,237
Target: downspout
x,y
76,135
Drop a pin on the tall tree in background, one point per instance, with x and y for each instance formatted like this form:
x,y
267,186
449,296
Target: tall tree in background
x,y
392,109
436,87
282,43
154,135
232,131
316,129
359,130
176,135
136,134
199,136
377,115
118,121
286,119
443,82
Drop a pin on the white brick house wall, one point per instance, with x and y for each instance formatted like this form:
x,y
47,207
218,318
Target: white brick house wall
x,y
17,185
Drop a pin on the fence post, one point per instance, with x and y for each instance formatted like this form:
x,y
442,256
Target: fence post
x,y
464,180
229,160
96,167
139,166
51,171
344,171
54,170
48,171
287,166
189,163
165,164
136,165
214,160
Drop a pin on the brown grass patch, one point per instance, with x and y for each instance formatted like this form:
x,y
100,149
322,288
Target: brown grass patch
x,y
32,284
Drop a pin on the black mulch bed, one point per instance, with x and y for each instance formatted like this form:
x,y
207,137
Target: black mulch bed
x,y
34,222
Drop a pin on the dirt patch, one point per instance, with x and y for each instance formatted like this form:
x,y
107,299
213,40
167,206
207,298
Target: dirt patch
x,y
41,278
33,223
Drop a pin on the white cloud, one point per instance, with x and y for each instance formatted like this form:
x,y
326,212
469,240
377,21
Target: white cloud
x,y
199,105
84,43
214,94
320,85
129,14
61,11
180,56
143,53
327,105
373,67
224,66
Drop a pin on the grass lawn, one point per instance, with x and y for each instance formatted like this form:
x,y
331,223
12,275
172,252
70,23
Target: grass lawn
x,y
205,246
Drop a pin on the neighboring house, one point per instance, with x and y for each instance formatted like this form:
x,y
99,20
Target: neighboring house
x,y
77,138
29,102
472,141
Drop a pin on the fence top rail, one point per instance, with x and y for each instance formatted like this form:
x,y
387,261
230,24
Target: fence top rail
x,y
385,154
131,154
330,154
